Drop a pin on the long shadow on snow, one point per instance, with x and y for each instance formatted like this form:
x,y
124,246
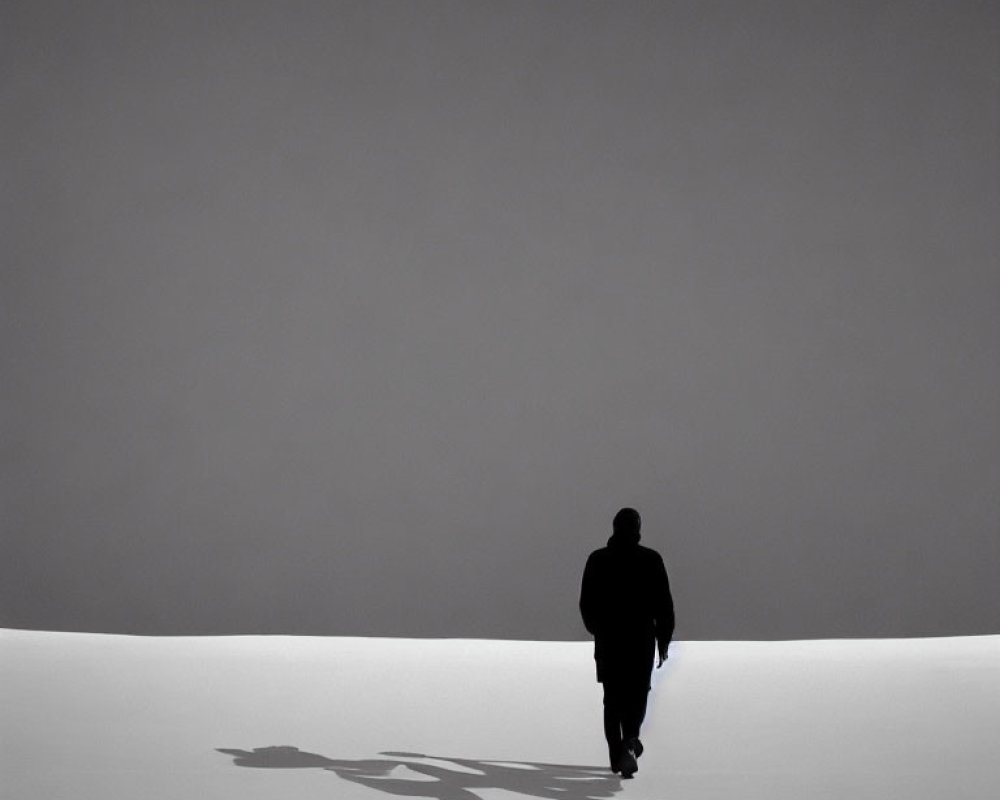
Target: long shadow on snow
x,y
552,781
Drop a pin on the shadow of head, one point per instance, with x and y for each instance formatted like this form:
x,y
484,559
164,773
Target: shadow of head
x,y
418,775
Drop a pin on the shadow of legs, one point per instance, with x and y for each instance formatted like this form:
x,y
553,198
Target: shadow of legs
x,y
419,775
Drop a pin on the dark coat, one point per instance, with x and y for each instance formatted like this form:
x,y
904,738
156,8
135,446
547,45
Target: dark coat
x,y
626,604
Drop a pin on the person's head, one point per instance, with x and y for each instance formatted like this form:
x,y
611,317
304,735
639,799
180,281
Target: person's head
x,y
627,523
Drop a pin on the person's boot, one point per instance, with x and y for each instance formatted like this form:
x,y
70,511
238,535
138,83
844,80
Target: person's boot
x,y
635,746
627,765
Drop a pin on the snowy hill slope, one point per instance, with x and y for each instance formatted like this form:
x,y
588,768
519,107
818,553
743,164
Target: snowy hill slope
x,y
95,717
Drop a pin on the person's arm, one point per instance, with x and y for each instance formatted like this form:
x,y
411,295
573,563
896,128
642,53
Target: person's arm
x,y
588,597
663,609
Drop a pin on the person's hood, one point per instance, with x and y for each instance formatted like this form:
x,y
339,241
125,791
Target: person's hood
x,y
624,539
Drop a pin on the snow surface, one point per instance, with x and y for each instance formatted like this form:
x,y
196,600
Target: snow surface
x,y
96,717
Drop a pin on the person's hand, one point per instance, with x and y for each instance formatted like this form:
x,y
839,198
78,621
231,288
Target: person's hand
x,y
662,658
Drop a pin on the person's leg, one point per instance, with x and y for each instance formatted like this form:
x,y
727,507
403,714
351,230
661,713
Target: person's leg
x,y
633,710
613,722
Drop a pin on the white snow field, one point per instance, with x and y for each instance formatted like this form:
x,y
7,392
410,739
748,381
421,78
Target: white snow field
x,y
97,717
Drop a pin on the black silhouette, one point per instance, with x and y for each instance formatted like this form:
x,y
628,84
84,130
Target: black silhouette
x,y
626,604
550,781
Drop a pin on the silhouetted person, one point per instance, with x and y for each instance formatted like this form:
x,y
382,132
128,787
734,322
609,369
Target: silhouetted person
x,y
626,604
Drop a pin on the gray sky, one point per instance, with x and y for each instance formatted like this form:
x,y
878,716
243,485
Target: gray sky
x,y
365,318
